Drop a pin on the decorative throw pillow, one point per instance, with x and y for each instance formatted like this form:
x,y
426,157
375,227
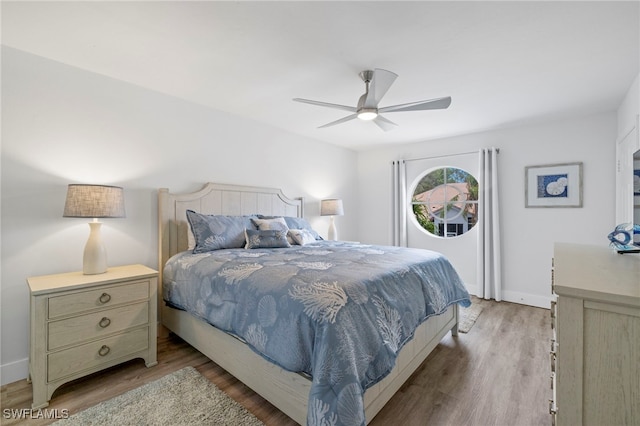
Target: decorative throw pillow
x,y
214,232
277,223
301,236
296,223
271,238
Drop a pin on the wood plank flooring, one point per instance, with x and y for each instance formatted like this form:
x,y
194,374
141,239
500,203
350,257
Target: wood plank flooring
x,y
497,374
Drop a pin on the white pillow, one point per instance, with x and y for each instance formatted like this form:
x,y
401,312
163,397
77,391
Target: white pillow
x,y
301,236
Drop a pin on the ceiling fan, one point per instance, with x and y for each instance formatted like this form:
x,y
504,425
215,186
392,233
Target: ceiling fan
x,y
377,84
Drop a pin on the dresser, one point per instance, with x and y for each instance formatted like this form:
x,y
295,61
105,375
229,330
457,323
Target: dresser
x,y
595,352
81,324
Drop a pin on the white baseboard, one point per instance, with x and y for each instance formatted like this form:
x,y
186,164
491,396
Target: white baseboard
x,y
472,289
517,297
14,371
527,299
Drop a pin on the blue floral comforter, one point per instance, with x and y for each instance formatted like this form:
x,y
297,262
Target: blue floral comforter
x,y
337,311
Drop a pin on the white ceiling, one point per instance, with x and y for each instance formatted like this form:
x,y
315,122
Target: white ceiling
x,y
503,63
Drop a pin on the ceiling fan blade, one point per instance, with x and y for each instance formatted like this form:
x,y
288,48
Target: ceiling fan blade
x,y
384,123
378,87
326,104
342,120
439,103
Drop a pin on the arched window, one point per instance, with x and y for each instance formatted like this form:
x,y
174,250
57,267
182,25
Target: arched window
x,y
445,202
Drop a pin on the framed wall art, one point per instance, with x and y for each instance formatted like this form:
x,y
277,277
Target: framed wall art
x,y
554,185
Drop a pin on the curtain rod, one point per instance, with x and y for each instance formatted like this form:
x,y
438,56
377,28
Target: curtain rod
x,y
447,155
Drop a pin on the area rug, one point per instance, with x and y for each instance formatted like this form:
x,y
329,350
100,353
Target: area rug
x,y
468,317
184,397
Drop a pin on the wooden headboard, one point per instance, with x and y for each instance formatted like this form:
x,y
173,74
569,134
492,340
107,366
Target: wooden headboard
x,y
215,198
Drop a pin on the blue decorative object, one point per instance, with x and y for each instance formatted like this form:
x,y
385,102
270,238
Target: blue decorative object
x,y
625,238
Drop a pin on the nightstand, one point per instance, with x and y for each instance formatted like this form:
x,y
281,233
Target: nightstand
x,y
81,324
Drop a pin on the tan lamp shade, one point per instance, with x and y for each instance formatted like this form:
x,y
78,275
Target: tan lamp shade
x,y
331,207
96,201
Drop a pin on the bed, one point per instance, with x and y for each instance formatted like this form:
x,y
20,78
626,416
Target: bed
x,y
240,355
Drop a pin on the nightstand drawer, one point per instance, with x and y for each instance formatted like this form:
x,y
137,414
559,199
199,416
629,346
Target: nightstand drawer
x,y
105,296
77,329
91,355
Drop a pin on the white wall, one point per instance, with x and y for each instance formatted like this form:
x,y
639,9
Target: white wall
x,y
63,125
528,233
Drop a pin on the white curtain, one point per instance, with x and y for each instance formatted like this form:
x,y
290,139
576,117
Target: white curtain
x,y
399,203
489,276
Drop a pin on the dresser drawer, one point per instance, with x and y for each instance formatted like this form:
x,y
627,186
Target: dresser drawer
x,y
105,296
94,354
95,325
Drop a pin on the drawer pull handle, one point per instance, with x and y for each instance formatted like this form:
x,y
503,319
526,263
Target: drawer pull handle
x,y
104,350
104,322
105,297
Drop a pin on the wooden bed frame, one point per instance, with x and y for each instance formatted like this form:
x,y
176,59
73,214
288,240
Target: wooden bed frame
x,y
286,390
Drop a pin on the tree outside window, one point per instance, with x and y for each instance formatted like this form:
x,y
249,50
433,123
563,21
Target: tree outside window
x,y
445,202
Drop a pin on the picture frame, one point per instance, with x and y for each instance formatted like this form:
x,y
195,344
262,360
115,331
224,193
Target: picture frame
x,y
553,185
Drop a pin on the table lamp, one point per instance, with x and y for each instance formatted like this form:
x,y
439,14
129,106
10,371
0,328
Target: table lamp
x,y
94,201
331,207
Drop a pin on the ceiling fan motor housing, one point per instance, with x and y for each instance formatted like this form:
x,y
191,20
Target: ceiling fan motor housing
x,y
363,112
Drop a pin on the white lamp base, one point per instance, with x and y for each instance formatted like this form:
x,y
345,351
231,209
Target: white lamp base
x,y
95,254
333,232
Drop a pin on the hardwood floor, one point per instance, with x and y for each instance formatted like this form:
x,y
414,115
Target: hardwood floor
x,y
497,374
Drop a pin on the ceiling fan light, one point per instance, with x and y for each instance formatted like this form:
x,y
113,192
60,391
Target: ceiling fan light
x,y
367,114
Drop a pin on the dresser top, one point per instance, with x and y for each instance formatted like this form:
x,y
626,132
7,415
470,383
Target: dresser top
x,y
71,280
597,273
